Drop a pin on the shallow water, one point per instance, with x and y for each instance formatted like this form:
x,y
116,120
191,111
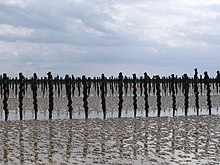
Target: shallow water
x,y
178,140
95,110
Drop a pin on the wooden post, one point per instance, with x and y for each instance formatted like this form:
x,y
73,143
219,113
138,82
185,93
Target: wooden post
x,y
50,84
120,86
21,94
134,94
207,84
34,90
6,95
146,78
103,82
85,95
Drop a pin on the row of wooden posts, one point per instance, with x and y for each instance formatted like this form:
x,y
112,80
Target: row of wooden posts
x,y
120,82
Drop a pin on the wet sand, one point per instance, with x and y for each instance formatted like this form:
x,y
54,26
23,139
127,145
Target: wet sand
x,y
128,140
153,140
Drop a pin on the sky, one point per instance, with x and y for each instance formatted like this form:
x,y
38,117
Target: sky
x,y
92,37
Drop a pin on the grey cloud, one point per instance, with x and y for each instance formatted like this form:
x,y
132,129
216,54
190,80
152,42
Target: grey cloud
x,y
131,37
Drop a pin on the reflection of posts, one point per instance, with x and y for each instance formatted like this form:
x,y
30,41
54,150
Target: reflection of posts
x,y
206,81
6,94
158,136
186,138
103,146
134,140
196,91
146,132
120,86
86,145
134,94
5,143
51,143
173,135
196,138
50,84
103,82
69,141
21,94
35,137
85,96
208,138
21,143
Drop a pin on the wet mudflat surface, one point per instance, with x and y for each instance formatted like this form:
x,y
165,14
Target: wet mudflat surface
x,y
154,140
164,140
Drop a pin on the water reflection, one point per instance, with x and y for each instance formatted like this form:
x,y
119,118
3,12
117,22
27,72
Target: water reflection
x,y
85,139
69,141
51,142
111,141
5,143
21,142
146,132
35,139
134,139
158,136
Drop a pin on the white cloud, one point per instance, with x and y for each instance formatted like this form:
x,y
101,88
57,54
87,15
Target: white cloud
x,y
12,31
20,3
64,35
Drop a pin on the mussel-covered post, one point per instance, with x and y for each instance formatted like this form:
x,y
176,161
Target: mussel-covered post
x,y
120,87
146,105
206,81
68,94
103,82
85,95
34,90
21,94
217,81
50,84
5,94
158,95
196,90
173,93
134,94
186,92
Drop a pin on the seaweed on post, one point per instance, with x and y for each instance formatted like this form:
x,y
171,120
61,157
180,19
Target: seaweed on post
x,y
134,81
5,95
120,87
34,90
103,82
186,92
158,95
21,94
68,94
196,91
146,105
207,84
50,84
85,95
173,93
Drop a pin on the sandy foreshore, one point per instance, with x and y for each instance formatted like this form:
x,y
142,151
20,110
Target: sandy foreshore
x,y
153,140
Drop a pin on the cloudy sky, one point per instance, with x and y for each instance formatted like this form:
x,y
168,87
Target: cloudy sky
x,y
94,36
